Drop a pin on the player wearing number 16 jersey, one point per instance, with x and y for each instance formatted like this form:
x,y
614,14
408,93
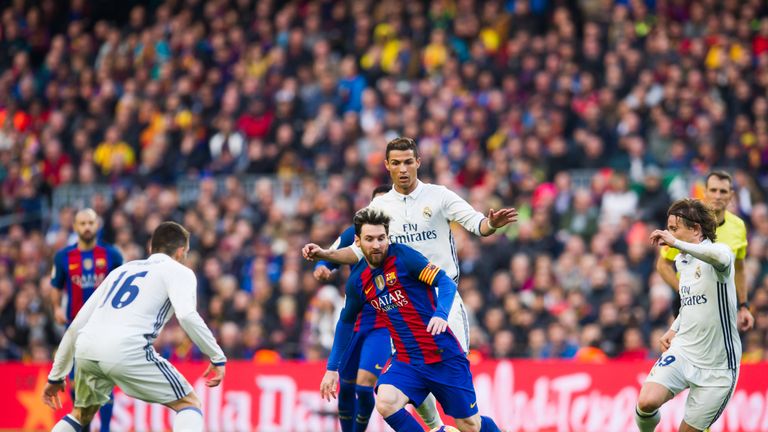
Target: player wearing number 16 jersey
x,y
111,337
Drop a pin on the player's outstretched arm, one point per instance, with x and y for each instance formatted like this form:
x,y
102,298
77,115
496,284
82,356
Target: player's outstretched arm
x,y
445,295
324,269
64,358
313,252
182,292
497,219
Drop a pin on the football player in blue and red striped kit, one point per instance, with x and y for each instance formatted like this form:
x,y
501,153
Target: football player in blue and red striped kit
x,y
401,285
78,269
368,352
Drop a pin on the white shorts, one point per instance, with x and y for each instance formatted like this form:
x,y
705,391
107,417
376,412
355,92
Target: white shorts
x,y
148,377
459,323
710,388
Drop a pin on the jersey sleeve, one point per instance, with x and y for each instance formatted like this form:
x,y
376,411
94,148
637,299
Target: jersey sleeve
x,y
418,266
431,275
458,210
59,271
669,253
353,304
182,292
63,361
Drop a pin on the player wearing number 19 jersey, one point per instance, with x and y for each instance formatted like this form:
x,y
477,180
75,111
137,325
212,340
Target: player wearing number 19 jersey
x,y
112,336
705,348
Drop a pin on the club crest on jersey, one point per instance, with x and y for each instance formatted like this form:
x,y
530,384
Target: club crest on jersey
x,y
391,278
101,262
698,272
427,213
379,282
87,263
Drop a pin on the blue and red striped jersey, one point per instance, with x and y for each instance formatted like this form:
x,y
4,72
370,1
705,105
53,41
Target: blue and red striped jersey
x,y
81,272
403,293
367,319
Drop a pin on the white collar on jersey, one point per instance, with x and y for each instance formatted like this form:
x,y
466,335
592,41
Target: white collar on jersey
x,y
413,195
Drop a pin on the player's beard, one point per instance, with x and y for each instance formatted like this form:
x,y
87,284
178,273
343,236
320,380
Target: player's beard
x,y
375,258
87,237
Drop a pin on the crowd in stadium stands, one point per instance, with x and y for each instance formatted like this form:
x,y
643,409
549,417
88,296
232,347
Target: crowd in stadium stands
x,y
511,102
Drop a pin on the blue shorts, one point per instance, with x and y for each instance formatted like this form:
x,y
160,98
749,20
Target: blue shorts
x,y
449,380
368,351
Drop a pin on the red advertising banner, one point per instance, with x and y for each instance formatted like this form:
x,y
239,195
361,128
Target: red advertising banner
x,y
522,396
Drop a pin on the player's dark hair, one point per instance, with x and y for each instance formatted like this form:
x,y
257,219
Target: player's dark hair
x,y
722,175
168,237
694,212
370,216
402,143
380,190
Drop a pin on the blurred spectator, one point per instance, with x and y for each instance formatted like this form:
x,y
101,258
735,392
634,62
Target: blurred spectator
x,y
589,118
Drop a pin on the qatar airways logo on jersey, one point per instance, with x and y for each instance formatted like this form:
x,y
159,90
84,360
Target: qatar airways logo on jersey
x,y
88,280
389,300
411,234
686,299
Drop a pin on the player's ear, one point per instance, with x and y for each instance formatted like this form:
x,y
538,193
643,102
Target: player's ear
x,y
357,240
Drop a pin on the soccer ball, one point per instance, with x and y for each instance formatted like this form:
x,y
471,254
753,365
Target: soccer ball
x,y
445,428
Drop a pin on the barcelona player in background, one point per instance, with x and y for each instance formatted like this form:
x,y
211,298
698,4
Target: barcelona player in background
x,y
78,269
402,286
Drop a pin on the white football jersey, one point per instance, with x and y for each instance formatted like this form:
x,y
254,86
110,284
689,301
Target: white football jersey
x,y
707,334
133,304
422,220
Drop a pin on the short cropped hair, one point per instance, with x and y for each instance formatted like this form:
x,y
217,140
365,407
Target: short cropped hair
x,y
402,143
722,175
694,212
370,216
380,190
169,236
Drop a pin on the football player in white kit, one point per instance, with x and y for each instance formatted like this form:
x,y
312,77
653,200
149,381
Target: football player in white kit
x,y
421,216
703,348
111,337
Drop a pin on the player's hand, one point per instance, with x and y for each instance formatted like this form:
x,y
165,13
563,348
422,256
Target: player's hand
x,y
436,326
662,237
322,273
502,217
214,375
59,316
51,395
312,252
329,384
744,319
666,339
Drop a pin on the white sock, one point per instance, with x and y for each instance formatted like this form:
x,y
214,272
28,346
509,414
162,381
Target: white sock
x,y
67,424
646,422
428,412
188,420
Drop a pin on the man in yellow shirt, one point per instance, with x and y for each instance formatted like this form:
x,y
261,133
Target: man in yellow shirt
x,y
730,230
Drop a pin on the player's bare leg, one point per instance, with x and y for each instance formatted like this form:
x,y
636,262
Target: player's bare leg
x,y
477,423
74,420
189,416
428,412
365,400
685,427
652,396
390,403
